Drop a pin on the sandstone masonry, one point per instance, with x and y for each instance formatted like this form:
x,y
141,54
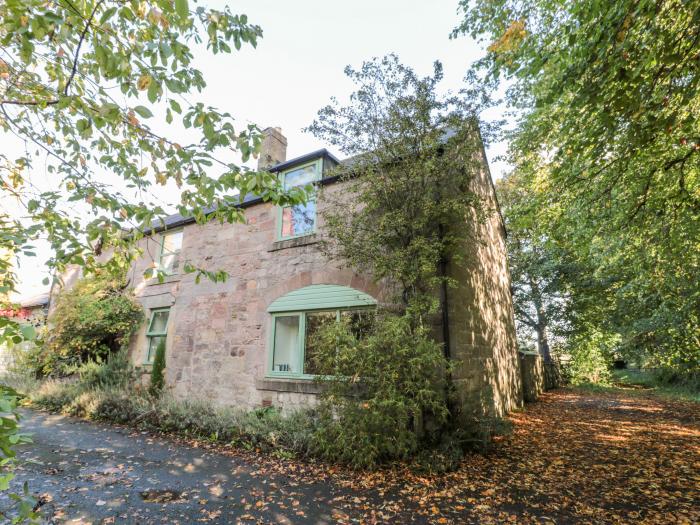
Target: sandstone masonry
x,y
219,334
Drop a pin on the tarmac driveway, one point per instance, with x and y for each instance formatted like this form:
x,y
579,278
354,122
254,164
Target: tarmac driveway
x,y
94,473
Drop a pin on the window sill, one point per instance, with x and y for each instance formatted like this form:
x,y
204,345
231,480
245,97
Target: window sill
x,y
294,242
174,278
299,386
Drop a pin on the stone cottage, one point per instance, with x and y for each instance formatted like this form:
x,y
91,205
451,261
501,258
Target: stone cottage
x,y
243,342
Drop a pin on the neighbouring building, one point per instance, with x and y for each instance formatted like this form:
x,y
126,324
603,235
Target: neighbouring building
x,y
29,310
243,342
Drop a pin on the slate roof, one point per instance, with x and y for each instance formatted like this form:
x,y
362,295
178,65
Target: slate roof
x,y
41,299
177,219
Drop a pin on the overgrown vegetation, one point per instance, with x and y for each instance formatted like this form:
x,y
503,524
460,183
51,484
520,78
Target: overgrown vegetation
x,y
603,204
384,392
388,390
10,437
110,392
157,372
90,322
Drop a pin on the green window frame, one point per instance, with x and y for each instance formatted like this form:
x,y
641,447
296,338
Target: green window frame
x,y
173,257
154,335
295,368
285,214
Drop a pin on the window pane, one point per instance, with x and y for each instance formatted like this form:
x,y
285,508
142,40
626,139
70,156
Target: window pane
x,y
299,219
153,343
170,255
286,345
300,177
361,321
314,321
172,242
169,262
159,322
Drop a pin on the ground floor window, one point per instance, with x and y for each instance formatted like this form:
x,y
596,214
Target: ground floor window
x,y
157,331
292,352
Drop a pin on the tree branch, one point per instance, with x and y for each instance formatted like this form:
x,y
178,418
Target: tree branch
x,y
80,43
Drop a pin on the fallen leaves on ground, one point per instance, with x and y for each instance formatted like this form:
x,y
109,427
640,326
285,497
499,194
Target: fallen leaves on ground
x,y
571,457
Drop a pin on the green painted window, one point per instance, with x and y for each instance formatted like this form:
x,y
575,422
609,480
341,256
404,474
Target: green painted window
x,y
292,352
157,331
170,248
296,316
295,221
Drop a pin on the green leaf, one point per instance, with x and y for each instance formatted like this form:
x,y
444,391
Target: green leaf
x,y
182,8
28,332
107,14
143,111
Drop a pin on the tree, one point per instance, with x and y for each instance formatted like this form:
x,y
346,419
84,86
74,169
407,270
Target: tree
x,y
609,94
80,83
414,153
157,377
537,271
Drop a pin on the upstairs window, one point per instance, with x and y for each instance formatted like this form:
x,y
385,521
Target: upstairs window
x,y
170,248
157,331
299,220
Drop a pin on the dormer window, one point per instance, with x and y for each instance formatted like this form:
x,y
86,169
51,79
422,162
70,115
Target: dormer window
x,y
300,219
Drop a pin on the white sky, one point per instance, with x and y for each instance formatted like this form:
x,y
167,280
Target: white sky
x,y
298,65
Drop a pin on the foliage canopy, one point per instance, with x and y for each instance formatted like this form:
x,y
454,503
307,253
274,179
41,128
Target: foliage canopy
x,y
94,91
608,149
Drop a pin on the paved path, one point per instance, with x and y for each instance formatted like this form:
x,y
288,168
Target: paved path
x,y
96,473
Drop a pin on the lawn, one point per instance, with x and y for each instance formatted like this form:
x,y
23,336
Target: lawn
x,y
646,382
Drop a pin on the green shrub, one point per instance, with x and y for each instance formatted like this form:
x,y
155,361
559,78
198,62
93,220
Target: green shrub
x,y
115,372
157,377
384,392
591,359
92,320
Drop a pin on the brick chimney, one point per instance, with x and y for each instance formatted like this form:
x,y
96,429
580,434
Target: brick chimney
x,y
273,149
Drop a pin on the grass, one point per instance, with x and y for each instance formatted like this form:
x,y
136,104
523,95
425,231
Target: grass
x,y
647,382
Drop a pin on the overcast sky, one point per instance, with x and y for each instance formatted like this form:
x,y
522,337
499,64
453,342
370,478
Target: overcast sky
x,y
298,65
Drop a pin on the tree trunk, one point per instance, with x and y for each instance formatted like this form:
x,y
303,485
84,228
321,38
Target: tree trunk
x,y
541,328
543,343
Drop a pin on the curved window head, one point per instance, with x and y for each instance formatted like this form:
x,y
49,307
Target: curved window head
x,y
298,315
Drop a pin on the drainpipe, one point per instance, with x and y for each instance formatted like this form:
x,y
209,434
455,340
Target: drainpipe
x,y
446,327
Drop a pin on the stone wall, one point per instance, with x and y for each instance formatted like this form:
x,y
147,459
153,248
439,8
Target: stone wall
x,y
482,326
218,332
533,374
